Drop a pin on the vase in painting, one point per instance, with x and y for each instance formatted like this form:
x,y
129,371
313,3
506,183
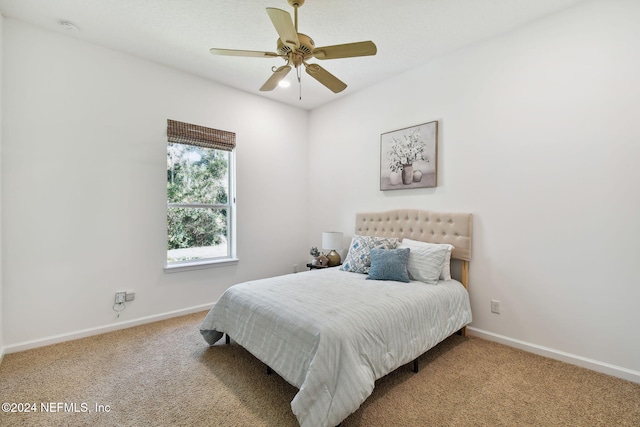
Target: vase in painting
x,y
407,174
395,178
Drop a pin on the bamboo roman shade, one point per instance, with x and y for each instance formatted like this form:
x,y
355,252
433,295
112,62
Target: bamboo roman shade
x,y
186,133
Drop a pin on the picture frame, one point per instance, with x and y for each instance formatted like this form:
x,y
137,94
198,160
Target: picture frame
x,y
409,157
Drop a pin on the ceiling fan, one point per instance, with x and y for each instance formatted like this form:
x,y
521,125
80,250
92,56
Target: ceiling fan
x,y
296,48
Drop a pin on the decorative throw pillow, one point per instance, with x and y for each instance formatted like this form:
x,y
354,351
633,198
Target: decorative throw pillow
x,y
389,264
446,267
425,262
358,259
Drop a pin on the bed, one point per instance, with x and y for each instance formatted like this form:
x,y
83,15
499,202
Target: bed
x,y
333,332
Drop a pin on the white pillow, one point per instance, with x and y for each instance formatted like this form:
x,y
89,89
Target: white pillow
x,y
445,274
425,262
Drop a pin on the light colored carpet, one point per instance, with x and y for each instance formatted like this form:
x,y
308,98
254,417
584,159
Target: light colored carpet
x,y
164,374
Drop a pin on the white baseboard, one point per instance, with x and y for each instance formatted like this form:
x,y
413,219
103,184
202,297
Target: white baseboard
x,y
594,365
27,345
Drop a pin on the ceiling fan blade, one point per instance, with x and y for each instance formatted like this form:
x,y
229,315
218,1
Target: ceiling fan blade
x,y
275,78
326,78
345,50
284,26
251,53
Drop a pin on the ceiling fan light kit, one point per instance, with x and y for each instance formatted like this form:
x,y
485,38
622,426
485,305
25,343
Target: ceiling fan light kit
x,y
297,48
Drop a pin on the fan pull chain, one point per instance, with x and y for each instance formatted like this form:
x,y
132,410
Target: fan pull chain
x,y
299,83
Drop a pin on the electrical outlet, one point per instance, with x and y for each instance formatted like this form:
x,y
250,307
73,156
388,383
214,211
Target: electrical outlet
x,y
121,297
495,306
130,295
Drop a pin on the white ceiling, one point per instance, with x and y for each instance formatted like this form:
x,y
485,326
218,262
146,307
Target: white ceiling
x,y
179,33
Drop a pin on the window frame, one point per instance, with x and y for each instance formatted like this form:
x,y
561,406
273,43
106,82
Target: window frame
x,y
231,257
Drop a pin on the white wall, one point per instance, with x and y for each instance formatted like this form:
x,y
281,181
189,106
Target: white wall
x,y
1,274
539,140
84,193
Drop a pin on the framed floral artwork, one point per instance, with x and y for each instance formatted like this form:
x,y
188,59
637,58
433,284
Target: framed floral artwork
x,y
408,157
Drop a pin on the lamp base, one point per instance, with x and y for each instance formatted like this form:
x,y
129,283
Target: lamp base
x,y
334,258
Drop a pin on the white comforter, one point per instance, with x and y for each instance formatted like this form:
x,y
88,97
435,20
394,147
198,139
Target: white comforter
x,y
332,333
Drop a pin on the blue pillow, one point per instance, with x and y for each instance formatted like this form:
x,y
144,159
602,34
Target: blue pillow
x,y
389,264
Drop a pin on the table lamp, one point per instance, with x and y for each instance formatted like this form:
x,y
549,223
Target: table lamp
x,y
332,240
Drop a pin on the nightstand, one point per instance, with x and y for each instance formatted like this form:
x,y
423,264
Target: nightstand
x,y
314,266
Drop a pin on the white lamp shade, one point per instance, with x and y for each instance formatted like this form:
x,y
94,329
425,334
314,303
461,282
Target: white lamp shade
x,y
331,240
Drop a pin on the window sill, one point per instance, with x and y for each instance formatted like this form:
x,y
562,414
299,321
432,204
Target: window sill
x,y
200,264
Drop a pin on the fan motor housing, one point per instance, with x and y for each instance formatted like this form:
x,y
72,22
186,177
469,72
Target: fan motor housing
x,y
305,50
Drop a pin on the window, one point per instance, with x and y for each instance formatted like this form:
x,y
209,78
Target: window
x,y
200,195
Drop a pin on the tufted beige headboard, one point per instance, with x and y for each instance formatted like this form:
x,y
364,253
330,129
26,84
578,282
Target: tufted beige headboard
x,y
426,226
